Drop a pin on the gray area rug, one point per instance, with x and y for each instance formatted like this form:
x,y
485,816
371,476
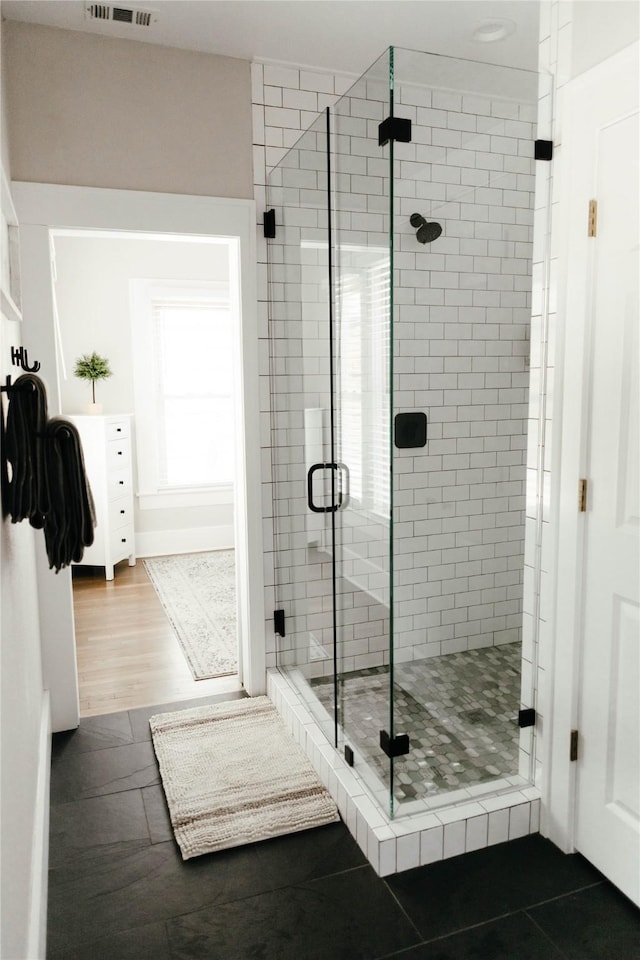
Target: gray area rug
x,y
232,774
198,593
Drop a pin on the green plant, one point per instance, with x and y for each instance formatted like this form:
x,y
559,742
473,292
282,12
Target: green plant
x,y
92,367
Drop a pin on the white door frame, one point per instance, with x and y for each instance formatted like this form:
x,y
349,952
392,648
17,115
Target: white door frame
x,y
42,208
571,437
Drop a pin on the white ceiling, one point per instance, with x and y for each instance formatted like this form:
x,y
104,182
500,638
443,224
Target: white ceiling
x,y
340,35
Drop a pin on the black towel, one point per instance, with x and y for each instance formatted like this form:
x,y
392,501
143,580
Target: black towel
x,y
70,519
25,494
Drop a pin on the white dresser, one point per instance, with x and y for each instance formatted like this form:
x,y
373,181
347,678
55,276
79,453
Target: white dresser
x,y
106,443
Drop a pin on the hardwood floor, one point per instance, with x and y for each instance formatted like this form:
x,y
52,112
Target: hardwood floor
x,y
128,654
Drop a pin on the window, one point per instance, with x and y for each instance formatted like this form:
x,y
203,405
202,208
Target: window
x,y
363,390
184,358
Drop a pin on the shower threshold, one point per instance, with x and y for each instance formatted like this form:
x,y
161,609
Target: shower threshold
x,y
435,827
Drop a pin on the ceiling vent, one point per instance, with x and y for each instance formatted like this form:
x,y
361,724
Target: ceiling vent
x,y
108,13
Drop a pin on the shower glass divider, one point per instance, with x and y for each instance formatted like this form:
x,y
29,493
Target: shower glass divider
x,y
400,564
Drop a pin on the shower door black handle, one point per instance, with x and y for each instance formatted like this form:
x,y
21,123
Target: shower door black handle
x,y
313,469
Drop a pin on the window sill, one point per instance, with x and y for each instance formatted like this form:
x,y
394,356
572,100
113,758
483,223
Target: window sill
x,y
174,499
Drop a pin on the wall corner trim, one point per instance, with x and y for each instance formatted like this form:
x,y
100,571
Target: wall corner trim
x,y
37,929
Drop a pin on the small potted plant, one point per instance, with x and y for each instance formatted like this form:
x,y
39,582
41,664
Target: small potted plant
x,y
92,367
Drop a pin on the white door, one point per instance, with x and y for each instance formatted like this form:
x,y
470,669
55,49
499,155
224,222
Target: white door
x,y
604,129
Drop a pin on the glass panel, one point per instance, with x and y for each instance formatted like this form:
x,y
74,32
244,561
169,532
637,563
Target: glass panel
x,y
362,344
301,412
399,559
462,235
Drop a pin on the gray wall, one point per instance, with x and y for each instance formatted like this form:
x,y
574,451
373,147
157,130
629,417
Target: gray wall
x,y
98,112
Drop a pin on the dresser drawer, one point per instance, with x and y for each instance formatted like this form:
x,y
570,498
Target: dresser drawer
x,y
118,455
116,429
120,513
122,542
119,484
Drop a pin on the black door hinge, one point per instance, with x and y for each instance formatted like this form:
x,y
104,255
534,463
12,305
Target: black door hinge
x,y
526,717
396,747
543,149
269,224
278,622
348,754
573,746
394,128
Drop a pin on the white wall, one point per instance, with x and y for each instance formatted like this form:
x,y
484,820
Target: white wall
x,y
600,28
92,292
23,711
99,112
573,37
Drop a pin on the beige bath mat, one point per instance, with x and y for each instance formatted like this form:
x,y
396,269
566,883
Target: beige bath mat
x,y
232,774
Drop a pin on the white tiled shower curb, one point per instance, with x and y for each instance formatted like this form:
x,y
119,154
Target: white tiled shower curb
x,y
395,845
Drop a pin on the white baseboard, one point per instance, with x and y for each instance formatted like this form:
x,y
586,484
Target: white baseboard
x,y
37,931
158,543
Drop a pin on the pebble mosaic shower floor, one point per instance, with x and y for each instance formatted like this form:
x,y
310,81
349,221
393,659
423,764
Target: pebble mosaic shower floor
x,y
460,711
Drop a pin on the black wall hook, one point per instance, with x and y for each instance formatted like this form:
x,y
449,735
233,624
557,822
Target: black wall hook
x,y
19,358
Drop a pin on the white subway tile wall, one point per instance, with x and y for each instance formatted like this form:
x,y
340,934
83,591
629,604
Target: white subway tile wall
x,y
272,141
461,342
461,345
509,173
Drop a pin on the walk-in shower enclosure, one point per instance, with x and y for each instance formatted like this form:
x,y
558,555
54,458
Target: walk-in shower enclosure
x,y
399,287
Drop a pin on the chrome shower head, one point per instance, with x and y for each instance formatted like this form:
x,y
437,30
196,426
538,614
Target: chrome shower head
x,y
425,232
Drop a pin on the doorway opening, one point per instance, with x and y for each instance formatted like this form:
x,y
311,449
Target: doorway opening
x,y
44,209
155,596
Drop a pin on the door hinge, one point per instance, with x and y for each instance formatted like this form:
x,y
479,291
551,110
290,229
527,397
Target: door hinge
x,y
592,227
527,717
582,496
573,746
278,622
394,128
396,746
269,224
543,149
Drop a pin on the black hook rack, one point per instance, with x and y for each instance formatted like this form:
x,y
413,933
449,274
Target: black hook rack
x,y
9,387
19,358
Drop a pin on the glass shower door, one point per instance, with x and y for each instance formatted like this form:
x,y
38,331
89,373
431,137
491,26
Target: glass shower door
x,y
303,481
362,401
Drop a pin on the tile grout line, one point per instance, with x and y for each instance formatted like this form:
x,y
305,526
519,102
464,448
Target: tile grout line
x,y
404,911
545,934
250,896
453,933
561,896
502,916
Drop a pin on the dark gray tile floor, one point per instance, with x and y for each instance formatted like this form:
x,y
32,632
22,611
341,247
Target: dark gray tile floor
x,y
119,890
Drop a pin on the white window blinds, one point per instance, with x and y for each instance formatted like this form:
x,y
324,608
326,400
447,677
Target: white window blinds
x,y
363,384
